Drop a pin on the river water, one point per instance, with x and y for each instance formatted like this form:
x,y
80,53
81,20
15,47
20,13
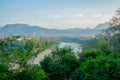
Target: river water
x,y
76,49
75,46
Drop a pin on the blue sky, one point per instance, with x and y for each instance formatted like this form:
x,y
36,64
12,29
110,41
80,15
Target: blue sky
x,y
60,14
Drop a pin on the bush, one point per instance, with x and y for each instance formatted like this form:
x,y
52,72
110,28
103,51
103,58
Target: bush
x,y
60,64
34,73
5,74
99,68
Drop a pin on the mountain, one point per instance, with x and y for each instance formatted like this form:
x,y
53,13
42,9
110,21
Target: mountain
x,y
24,29
21,29
102,26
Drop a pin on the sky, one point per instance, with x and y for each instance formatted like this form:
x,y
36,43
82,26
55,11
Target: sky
x,y
57,14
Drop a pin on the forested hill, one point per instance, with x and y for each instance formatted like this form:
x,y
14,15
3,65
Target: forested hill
x,y
24,29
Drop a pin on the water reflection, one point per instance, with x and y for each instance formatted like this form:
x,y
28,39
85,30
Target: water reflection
x,y
76,47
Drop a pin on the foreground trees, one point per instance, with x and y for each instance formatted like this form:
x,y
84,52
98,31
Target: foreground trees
x,y
99,63
99,60
60,64
96,65
32,73
112,34
106,68
15,54
92,65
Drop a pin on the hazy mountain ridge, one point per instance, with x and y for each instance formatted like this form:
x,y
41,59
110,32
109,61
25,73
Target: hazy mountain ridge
x,y
102,26
24,29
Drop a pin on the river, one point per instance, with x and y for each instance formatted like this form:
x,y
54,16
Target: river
x,y
41,56
75,46
76,49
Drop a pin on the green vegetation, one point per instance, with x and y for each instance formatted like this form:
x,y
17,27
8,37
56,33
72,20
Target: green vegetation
x,y
85,42
33,73
99,60
92,65
112,34
60,64
15,54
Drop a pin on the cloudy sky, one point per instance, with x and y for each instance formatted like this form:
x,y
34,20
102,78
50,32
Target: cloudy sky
x,y
60,14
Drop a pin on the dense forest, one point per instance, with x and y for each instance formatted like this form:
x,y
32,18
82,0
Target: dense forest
x,y
99,59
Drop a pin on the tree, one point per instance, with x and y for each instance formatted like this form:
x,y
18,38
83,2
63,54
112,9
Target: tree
x,y
5,73
112,34
15,55
97,66
102,67
60,64
32,73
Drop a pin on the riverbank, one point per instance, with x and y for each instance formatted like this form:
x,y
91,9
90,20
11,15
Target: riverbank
x,y
41,56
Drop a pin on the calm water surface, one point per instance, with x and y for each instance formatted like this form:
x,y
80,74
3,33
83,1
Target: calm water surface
x,y
76,47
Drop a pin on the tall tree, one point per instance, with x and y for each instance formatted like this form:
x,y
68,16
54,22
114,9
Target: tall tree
x,y
112,34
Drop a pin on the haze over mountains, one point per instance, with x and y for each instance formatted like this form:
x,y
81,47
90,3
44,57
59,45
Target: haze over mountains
x,y
24,29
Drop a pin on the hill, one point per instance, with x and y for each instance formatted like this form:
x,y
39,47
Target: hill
x,y
24,29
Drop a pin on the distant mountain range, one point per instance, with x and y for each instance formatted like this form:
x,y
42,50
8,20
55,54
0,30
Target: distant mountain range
x,y
24,29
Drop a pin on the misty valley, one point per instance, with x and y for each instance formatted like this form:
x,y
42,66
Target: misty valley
x,y
74,40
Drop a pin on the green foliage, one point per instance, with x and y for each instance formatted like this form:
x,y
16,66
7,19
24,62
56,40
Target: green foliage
x,y
5,73
60,64
106,68
104,46
33,73
94,63
15,51
93,53
97,66
62,51
46,63
85,42
112,34
4,43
